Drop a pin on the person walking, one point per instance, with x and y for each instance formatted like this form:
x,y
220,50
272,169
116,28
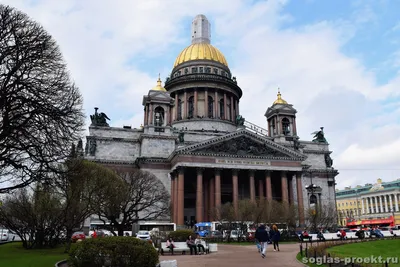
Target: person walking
x,y
263,237
276,236
255,238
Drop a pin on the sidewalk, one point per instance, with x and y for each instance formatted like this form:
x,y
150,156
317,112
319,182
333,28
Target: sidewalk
x,y
235,255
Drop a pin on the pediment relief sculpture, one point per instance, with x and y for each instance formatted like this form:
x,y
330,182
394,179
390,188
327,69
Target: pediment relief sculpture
x,y
242,146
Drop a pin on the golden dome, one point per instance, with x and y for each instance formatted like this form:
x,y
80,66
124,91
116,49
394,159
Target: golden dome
x,y
280,100
159,87
200,51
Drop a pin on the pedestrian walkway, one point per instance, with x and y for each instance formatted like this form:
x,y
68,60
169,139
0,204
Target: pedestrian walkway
x,y
236,255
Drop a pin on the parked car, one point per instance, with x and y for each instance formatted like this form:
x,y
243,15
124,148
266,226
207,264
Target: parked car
x,y
216,234
144,235
4,235
78,236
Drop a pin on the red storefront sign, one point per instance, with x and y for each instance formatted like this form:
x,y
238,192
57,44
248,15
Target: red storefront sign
x,y
377,221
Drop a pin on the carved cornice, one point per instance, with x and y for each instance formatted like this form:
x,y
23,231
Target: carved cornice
x,y
156,136
151,160
116,162
314,151
113,139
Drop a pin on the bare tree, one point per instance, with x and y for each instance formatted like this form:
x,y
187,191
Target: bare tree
x,y
321,216
142,196
36,217
82,186
40,107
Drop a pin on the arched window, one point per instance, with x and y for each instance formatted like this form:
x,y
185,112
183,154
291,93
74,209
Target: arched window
x,y
221,109
313,199
179,109
285,126
159,116
191,107
210,106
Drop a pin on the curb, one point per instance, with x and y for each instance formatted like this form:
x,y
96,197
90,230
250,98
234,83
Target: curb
x,y
60,262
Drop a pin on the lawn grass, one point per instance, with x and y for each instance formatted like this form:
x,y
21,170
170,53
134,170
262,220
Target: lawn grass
x,y
300,258
383,248
14,255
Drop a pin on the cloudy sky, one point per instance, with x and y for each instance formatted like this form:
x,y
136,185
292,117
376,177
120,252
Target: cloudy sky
x,y
336,61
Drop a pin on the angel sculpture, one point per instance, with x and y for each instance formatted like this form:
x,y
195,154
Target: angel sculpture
x,y
319,136
99,119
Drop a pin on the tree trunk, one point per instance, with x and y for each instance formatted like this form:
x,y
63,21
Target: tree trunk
x,y
68,240
120,229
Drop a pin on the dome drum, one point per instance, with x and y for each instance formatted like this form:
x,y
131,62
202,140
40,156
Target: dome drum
x,y
198,80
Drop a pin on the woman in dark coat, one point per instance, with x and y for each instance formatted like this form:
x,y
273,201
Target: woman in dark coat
x,y
276,237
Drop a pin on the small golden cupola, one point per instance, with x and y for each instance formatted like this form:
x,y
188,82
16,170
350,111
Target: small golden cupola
x,y
159,86
279,100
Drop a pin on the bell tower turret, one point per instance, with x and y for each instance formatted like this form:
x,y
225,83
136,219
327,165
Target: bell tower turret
x,y
157,109
281,119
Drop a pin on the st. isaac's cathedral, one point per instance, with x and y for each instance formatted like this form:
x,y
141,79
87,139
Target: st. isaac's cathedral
x,y
194,139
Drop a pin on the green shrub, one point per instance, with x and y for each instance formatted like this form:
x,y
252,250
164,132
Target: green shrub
x,y
113,251
181,235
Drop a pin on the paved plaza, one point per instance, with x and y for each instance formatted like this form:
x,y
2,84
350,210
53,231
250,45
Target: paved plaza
x,y
235,255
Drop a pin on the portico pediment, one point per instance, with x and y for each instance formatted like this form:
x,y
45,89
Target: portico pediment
x,y
242,144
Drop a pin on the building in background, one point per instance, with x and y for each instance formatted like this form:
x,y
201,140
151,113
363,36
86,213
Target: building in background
x,y
194,139
371,204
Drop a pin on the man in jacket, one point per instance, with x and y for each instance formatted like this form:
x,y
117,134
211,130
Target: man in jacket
x,y
262,237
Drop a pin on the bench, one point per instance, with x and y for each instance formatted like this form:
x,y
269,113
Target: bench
x,y
181,247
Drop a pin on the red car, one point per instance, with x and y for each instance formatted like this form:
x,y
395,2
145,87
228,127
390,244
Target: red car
x,y
78,236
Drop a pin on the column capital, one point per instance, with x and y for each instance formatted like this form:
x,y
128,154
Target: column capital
x,y
298,175
251,172
235,172
200,170
284,174
180,170
173,174
217,171
268,172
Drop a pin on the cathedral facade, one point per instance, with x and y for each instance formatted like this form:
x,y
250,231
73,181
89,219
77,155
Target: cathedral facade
x,y
195,141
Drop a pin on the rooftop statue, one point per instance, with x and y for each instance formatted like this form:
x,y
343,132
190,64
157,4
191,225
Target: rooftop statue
x,y
99,119
319,136
239,120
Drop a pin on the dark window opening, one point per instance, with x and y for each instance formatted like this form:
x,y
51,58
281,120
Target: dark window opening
x,y
179,109
210,106
285,126
221,109
191,107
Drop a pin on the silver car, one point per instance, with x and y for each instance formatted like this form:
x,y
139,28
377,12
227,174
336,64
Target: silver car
x,y
144,235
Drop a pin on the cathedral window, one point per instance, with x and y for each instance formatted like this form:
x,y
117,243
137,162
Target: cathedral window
x,y
221,109
222,73
159,116
186,71
194,70
191,107
201,69
208,70
215,71
285,126
180,109
313,199
210,106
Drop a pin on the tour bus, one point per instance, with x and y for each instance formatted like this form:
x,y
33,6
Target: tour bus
x,y
161,226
